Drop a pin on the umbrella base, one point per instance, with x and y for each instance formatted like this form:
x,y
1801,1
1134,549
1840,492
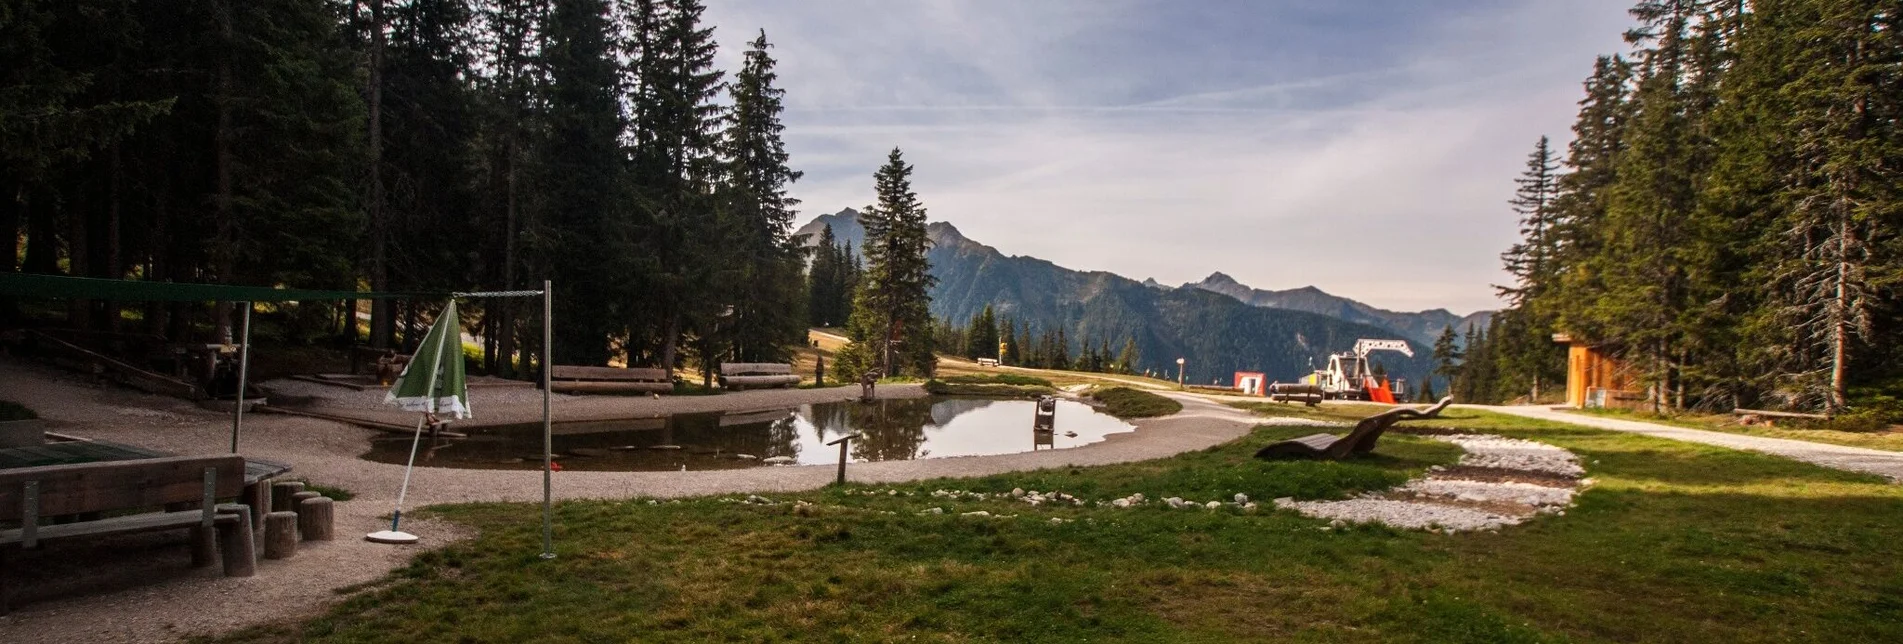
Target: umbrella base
x,y
390,536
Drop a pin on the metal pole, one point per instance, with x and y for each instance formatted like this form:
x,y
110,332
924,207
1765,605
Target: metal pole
x,y
548,424
244,375
429,401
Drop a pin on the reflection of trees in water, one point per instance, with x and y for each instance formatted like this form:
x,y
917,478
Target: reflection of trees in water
x,y
829,420
894,429
782,438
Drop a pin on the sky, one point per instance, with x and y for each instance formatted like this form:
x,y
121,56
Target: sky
x,y
1366,148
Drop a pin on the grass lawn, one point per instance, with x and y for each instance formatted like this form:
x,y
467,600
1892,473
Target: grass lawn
x,y
1675,543
1885,439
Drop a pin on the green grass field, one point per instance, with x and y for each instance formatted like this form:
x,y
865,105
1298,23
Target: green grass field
x,y
1675,543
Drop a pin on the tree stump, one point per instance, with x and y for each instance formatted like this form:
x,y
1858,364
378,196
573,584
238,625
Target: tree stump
x,y
280,535
313,519
235,541
297,500
257,496
281,494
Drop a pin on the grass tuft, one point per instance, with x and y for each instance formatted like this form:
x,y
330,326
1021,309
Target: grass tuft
x,y
1124,402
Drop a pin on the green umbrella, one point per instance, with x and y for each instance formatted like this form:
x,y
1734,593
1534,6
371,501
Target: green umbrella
x,y
433,383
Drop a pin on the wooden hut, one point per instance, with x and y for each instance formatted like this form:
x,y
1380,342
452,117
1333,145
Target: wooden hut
x,y
1594,377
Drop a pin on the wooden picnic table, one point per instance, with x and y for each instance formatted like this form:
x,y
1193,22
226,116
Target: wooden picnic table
x,y
256,470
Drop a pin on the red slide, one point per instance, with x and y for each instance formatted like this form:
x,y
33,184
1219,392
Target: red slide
x,y
1379,392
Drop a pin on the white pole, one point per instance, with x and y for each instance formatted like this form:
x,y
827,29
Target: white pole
x,y
429,403
244,374
548,433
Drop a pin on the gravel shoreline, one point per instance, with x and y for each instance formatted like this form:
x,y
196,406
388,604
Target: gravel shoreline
x,y
155,597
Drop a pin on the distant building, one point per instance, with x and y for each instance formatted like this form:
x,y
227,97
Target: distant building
x,y
1252,383
1595,378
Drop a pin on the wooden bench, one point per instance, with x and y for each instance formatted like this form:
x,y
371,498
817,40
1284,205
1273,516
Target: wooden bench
x,y
987,362
609,380
741,375
187,487
1360,440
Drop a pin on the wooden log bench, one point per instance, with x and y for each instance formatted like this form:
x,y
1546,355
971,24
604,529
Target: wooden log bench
x,y
568,379
1359,440
742,375
187,487
987,362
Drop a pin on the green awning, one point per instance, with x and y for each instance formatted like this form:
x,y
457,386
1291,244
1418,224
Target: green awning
x,y
91,288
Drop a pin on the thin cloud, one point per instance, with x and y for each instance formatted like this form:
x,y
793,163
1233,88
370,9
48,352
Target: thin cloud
x,y
1365,149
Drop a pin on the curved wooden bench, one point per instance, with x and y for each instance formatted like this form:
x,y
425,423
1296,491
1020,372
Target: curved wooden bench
x,y
1360,440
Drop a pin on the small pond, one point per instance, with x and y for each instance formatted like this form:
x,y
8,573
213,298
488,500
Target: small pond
x,y
894,430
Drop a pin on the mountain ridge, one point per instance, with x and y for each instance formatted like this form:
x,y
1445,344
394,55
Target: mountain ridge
x,y
1216,333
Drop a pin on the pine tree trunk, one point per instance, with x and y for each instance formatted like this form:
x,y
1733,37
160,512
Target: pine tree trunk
x,y
114,269
1840,322
382,318
670,341
505,344
227,234
79,259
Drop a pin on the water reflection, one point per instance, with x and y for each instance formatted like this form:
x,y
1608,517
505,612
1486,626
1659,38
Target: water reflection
x,y
892,430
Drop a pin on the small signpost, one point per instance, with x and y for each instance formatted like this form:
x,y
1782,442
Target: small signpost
x,y
842,442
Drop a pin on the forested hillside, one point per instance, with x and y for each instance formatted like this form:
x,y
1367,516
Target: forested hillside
x,y
1726,216
408,145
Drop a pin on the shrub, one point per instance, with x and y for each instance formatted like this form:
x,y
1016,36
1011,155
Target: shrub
x,y
1124,402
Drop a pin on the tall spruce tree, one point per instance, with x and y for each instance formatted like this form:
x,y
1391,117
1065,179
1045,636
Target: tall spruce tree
x,y
582,218
891,323
764,269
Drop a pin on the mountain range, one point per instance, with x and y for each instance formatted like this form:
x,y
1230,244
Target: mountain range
x,y
1218,326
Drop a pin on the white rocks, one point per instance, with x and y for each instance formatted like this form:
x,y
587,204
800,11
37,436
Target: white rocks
x,y
1242,499
1499,452
979,514
755,499
1443,503
1213,505
778,460
1400,514
1017,492
1489,491
933,511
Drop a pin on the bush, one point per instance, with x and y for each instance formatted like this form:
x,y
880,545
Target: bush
x,y
1124,402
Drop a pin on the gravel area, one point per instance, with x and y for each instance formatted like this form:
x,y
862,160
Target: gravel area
x,y
96,591
1445,501
1853,459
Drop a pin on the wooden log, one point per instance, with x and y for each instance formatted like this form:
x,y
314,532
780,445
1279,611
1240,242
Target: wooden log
x,y
257,496
280,535
568,372
297,500
281,493
236,541
752,368
6,586
1779,414
314,519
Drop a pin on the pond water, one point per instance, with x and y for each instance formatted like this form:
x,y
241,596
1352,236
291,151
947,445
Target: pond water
x,y
893,430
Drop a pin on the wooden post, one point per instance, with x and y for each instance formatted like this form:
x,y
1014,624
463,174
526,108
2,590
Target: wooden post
x,y
280,535
204,546
235,542
281,494
842,442
5,572
314,519
297,500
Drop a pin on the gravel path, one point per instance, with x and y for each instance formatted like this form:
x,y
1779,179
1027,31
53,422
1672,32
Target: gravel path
x,y
152,596
1854,459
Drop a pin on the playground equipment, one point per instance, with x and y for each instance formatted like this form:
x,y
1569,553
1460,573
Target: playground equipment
x,y
1349,378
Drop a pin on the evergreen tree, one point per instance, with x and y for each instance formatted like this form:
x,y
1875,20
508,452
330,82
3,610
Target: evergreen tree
x,y
1447,354
1129,359
1008,338
823,281
1530,261
891,323
582,218
763,272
